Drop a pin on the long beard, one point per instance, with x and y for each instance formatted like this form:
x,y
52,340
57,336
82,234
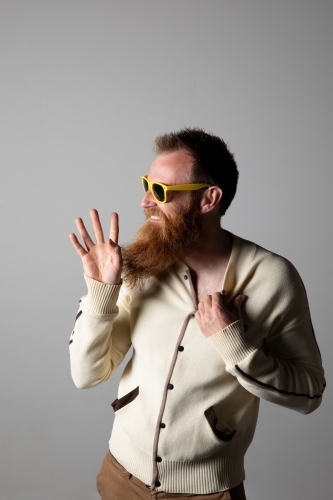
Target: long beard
x,y
157,246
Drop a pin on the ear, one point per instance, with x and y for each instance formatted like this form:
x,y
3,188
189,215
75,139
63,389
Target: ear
x,y
210,199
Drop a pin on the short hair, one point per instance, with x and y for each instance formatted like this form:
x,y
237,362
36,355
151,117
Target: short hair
x,y
213,162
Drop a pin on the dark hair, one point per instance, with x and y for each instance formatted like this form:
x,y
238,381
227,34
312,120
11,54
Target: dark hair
x,y
213,163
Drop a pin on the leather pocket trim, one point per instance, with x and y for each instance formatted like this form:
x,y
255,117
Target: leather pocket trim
x,y
125,400
212,420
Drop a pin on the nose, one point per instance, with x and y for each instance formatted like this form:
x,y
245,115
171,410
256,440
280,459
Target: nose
x,y
148,200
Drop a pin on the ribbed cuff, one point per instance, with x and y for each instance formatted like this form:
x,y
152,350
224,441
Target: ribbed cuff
x,y
230,343
102,298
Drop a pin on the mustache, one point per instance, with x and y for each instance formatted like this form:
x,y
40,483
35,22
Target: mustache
x,y
153,211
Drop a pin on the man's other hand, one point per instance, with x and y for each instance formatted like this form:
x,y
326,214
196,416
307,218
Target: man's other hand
x,y
212,316
102,261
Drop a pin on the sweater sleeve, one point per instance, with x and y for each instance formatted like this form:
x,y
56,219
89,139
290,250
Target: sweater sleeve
x,y
101,336
276,357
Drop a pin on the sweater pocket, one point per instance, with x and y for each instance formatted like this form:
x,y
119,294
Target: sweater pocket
x,y
221,430
125,400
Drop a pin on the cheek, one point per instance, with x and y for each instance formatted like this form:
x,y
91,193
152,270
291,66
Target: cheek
x,y
171,212
178,203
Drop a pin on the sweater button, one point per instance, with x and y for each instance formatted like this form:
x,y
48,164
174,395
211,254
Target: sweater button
x,y
162,425
185,277
158,459
157,483
170,386
180,348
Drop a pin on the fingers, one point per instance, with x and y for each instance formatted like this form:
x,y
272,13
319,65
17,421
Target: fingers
x,y
197,316
97,226
213,316
217,298
114,228
98,231
78,247
205,304
211,301
236,303
216,301
84,233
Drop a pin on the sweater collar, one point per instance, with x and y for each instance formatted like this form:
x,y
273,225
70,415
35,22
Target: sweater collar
x,y
240,258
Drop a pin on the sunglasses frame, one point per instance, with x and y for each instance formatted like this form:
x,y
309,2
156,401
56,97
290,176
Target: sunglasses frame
x,y
175,187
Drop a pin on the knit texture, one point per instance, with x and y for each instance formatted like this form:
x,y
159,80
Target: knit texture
x,y
204,391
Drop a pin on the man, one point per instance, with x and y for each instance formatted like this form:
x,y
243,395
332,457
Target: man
x,y
216,323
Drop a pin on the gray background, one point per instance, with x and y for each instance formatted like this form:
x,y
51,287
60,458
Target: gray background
x,y
86,85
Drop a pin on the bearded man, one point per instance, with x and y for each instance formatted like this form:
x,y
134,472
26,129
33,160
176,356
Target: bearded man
x,y
216,323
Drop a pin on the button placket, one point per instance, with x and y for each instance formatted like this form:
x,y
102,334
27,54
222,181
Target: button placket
x,y
169,386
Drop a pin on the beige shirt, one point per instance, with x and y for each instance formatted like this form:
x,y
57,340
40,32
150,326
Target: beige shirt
x,y
187,405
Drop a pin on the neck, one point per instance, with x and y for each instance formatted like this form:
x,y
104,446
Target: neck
x,y
212,249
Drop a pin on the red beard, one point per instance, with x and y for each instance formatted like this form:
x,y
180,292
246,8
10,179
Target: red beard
x,y
157,246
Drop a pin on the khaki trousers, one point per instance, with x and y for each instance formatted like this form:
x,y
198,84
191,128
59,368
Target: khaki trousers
x,y
115,483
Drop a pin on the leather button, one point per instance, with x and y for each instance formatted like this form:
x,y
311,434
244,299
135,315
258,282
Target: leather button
x,y
158,459
157,483
170,386
162,425
180,348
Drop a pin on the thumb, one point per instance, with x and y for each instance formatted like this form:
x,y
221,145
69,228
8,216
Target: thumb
x,y
236,304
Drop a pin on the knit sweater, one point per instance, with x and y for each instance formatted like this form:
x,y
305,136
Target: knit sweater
x,y
187,405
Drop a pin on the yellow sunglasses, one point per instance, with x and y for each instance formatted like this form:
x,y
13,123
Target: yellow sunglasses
x,y
159,190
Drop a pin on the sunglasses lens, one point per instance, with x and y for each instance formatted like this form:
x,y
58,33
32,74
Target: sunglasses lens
x,y
145,185
158,192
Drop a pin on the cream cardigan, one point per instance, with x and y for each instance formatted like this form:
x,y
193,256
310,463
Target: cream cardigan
x,y
187,405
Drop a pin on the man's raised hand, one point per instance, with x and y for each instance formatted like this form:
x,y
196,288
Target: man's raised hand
x,y
102,260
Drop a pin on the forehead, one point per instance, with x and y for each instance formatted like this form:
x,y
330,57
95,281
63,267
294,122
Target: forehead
x,y
171,168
